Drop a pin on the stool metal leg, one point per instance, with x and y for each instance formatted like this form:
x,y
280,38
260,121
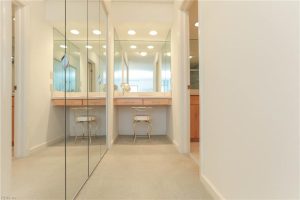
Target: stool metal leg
x,y
149,130
134,133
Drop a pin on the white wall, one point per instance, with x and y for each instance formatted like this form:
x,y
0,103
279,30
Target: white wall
x,y
249,83
159,121
43,122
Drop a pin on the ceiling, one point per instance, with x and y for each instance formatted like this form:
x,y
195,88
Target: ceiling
x,y
142,16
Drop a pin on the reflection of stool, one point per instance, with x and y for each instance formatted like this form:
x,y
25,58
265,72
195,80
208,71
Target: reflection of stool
x,y
142,115
85,115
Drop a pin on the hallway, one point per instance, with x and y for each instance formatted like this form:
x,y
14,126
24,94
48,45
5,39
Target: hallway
x,y
144,171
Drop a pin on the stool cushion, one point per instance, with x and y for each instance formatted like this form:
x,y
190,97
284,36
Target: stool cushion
x,y
142,118
85,118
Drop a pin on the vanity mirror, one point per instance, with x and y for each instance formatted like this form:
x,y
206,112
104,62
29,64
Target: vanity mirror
x,y
142,66
80,65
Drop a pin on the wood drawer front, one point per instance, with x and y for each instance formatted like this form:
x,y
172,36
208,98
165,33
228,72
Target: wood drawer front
x,y
194,100
70,102
94,102
128,102
157,102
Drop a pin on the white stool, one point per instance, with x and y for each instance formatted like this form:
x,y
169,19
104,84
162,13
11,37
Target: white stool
x,y
142,115
82,116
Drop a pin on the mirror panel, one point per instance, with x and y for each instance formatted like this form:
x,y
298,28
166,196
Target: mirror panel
x,y
96,79
77,136
143,65
194,64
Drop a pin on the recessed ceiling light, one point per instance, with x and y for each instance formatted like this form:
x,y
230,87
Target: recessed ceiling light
x,y
169,54
63,46
14,19
74,32
191,57
104,46
150,47
96,32
197,24
153,33
131,32
133,46
88,47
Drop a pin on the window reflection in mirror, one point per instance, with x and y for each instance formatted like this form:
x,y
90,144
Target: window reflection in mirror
x,y
143,65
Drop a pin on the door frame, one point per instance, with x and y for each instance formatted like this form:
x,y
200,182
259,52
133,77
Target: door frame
x,y
185,7
5,95
21,64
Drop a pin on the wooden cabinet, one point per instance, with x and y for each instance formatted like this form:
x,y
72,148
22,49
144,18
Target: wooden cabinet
x,y
117,102
94,102
157,102
194,118
128,102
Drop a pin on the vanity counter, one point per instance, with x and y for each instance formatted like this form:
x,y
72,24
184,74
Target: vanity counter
x,y
132,99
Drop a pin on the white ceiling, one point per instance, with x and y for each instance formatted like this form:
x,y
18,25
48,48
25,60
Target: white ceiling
x,y
142,16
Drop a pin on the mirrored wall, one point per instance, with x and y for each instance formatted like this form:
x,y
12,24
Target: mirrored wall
x,y
79,78
194,64
142,66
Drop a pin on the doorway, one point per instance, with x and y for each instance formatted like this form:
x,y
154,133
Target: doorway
x,y
194,82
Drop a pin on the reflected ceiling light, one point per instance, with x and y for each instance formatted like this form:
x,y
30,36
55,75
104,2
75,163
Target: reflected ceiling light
x,y
191,57
131,32
197,24
14,19
104,46
153,33
117,53
143,53
150,47
169,54
104,53
63,46
74,32
88,47
133,46
96,32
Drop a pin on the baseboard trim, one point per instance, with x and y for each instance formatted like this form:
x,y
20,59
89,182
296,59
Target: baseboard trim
x,y
176,145
211,188
45,144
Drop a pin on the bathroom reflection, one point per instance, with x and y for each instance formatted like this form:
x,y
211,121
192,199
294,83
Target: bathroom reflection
x,y
143,66
84,78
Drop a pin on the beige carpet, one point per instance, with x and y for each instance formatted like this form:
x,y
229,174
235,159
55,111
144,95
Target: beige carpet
x,y
145,170
195,152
